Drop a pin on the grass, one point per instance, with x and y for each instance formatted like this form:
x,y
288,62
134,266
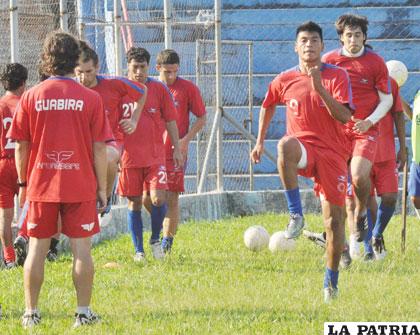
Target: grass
x,y
212,284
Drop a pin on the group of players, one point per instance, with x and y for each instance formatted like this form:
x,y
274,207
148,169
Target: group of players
x,y
62,144
341,109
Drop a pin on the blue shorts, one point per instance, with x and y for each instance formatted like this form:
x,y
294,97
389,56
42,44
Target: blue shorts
x,y
414,180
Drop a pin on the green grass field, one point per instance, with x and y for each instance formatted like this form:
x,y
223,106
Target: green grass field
x,y
211,284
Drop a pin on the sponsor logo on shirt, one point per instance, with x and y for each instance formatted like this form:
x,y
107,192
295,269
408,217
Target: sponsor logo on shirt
x,y
364,81
152,110
59,105
32,225
293,105
58,157
88,226
342,184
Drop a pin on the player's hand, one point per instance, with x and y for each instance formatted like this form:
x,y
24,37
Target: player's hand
x,y
178,158
128,126
401,158
257,153
361,126
101,201
315,74
183,146
22,196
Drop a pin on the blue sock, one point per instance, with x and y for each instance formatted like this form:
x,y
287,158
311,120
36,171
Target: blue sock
x,y
367,242
158,214
384,216
331,278
135,227
167,242
293,201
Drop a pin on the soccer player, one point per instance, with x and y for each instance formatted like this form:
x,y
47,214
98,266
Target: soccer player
x,y
112,90
318,101
13,78
372,98
143,158
187,100
60,129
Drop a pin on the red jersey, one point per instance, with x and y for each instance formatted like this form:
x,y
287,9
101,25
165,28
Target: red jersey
x,y
368,74
113,90
307,118
386,143
8,105
187,99
145,146
60,119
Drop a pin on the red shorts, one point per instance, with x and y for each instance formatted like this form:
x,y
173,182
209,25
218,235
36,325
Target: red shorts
x,y
329,171
8,182
78,219
175,177
384,177
364,145
133,181
117,145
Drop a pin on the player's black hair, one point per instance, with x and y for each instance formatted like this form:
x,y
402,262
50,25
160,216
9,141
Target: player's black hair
x,y
138,54
311,27
87,53
167,56
60,54
13,76
351,20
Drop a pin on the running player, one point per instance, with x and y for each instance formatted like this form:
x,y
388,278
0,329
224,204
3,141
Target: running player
x,y
143,158
112,90
13,78
372,98
187,100
317,97
60,129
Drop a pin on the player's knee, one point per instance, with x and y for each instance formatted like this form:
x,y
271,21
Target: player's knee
x,y
288,147
389,200
416,202
360,180
158,201
134,203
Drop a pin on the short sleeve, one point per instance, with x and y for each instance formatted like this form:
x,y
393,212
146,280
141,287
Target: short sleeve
x,y
20,128
274,94
196,103
382,81
99,125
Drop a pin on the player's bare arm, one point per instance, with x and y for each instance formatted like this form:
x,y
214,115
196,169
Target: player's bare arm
x,y
407,109
129,125
195,128
337,110
21,160
100,165
172,129
266,114
400,127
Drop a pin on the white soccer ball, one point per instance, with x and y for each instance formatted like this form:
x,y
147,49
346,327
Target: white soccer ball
x,y
256,238
398,71
279,242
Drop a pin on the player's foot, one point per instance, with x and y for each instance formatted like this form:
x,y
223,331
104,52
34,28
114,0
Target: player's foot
x,y
9,265
369,257
354,247
330,294
318,238
361,228
295,226
139,257
52,255
345,259
30,319
86,319
157,250
20,245
378,246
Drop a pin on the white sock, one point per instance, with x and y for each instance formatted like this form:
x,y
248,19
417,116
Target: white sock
x,y
83,310
31,311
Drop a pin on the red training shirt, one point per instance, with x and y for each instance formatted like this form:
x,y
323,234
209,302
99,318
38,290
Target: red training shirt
x,y
8,104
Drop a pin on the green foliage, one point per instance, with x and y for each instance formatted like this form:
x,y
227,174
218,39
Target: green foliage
x,y
211,284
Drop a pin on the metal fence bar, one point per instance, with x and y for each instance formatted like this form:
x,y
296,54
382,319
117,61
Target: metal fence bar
x,y
14,31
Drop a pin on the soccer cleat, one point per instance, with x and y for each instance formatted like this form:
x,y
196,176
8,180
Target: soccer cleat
x,y
139,257
295,226
361,228
9,265
345,259
85,319
378,245
157,250
30,319
318,238
369,257
330,294
354,247
52,255
20,246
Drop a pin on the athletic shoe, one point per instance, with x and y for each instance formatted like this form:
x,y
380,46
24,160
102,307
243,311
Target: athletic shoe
x,y
139,257
369,257
85,319
9,265
20,246
330,294
157,250
345,259
30,319
354,247
361,228
295,226
52,255
378,246
318,238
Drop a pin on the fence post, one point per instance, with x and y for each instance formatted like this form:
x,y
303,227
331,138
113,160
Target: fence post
x,y
14,31
64,16
117,37
219,93
167,15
